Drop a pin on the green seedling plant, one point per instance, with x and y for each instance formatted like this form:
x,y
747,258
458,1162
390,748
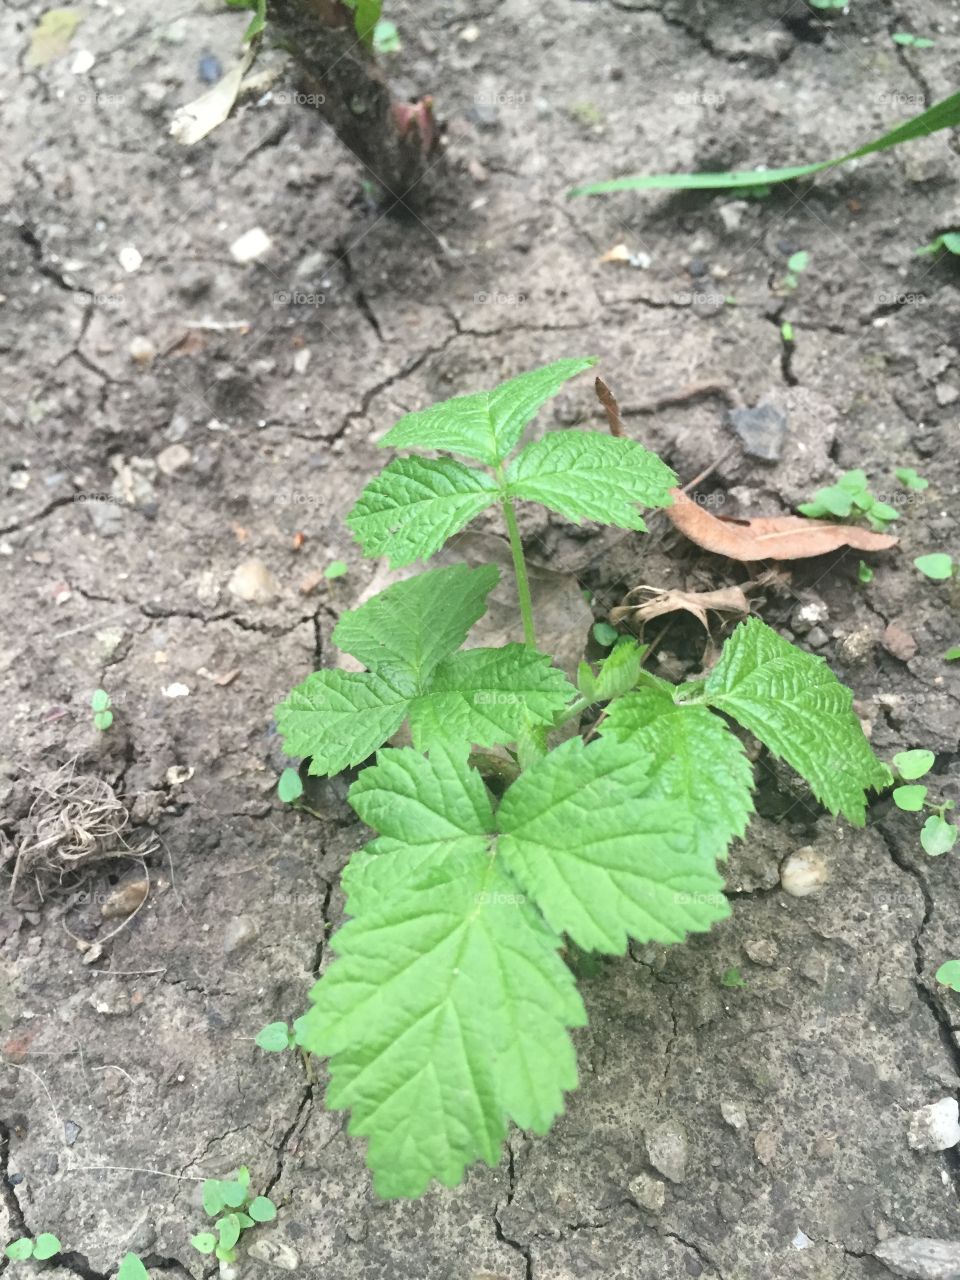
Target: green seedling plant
x,y
101,704
938,836
236,1209
949,975
447,1010
41,1248
909,41
949,240
797,263
944,115
937,566
132,1268
850,498
910,480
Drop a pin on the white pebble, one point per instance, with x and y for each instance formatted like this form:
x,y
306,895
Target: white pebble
x,y
130,259
253,244
935,1127
82,62
175,690
804,872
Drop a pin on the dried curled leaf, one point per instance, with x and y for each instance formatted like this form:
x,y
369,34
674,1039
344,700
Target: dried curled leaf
x,y
728,600
769,537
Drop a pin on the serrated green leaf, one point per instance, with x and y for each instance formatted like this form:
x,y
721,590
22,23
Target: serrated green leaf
x,y
412,625
213,1201
798,709
949,974
445,1014
131,1268
585,475
486,696
488,424
46,1246
19,1250
913,764
619,671
262,1209
338,718
414,505
910,798
938,836
698,765
273,1038
601,854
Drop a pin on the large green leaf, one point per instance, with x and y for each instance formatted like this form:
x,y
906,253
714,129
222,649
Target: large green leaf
x,y
603,854
944,115
414,505
797,707
488,424
698,764
412,625
338,718
445,1013
586,475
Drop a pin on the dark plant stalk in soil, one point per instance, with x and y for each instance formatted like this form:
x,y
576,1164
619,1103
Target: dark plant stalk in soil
x,y
396,141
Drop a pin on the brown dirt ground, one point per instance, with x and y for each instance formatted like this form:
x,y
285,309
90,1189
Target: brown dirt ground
x,y
144,1058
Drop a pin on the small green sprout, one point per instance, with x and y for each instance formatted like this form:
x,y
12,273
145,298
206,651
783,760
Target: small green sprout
x,y
243,1211
910,480
43,1247
910,41
937,566
131,1268
950,240
732,978
275,1037
850,498
786,332
101,704
797,263
949,974
937,836
386,37
952,654
289,787
335,569
864,572
604,634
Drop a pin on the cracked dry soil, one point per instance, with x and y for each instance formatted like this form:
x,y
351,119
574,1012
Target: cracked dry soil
x,y
127,1079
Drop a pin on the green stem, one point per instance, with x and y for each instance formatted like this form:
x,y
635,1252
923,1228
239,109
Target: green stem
x,y
520,570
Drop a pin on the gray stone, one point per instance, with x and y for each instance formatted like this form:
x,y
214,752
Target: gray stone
x,y
649,1193
920,1258
274,1252
239,933
935,1127
763,431
667,1150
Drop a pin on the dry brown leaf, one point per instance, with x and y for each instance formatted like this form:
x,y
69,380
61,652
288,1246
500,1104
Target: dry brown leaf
x,y
769,537
725,600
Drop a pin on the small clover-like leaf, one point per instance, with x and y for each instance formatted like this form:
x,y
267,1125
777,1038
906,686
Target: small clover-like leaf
x,y
100,700
19,1250
228,1228
262,1209
213,1201
913,764
487,424
910,798
938,836
131,1268
46,1246
937,566
800,711
273,1038
585,475
204,1242
289,786
414,505
949,974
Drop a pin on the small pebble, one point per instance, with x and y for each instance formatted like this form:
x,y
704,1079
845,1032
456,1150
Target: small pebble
x,y
130,259
899,643
173,459
762,951
71,1132
650,1193
209,69
734,1114
253,244
667,1150
141,350
252,581
817,637
765,1145
935,1127
239,933
803,873
125,899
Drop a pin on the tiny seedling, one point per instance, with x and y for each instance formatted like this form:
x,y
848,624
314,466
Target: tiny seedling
x,y
275,1037
944,115
290,787
131,1268
41,1248
864,572
386,37
850,498
937,835
101,705
733,978
952,655
950,240
605,635
937,566
910,41
446,1012
786,333
335,569
829,4
910,480
236,1210
949,974
797,263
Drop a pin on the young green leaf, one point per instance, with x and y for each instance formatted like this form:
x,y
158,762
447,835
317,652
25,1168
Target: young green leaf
x,y
289,786
605,634
952,654
798,262
204,1242
262,1209
386,37
19,1250
937,566
909,798
335,569
949,974
488,424
864,572
950,240
131,1268
103,720
798,709
228,1228
213,1201
910,480
414,505
938,836
446,1011
273,1038
635,869
619,672
913,764
338,718
100,700
414,624
732,978
698,765
585,475
46,1246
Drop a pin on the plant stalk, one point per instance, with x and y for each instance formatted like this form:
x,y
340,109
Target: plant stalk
x,y
520,571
